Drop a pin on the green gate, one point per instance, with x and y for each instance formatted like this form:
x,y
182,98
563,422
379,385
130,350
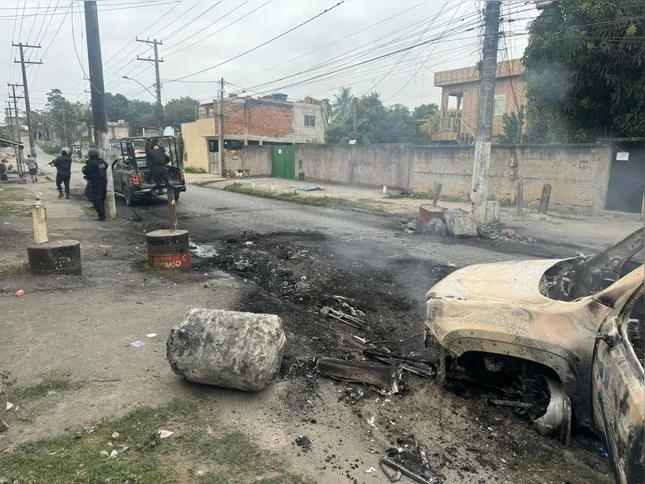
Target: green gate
x,y
283,162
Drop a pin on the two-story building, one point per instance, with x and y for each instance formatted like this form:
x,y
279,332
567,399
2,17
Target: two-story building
x,y
250,121
460,101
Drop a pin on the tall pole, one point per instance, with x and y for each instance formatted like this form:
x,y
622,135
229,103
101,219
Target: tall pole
x,y
485,111
99,111
156,60
220,126
23,64
15,128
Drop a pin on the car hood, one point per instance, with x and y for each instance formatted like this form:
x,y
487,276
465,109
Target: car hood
x,y
516,281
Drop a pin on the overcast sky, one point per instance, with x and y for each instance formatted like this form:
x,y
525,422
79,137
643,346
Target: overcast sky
x,y
357,31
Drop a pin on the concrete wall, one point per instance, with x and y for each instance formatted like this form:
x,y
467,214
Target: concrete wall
x,y
196,143
578,174
384,164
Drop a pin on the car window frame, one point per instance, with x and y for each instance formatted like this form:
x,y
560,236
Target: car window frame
x,y
623,329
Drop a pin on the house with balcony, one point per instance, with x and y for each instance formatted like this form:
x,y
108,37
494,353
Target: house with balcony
x,y
460,101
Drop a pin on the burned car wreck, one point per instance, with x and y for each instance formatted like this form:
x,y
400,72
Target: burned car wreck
x,y
575,324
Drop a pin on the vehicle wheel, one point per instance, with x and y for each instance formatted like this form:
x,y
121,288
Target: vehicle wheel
x,y
177,196
127,196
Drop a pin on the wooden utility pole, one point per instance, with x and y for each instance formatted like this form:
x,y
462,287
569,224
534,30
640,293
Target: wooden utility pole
x,y
99,111
156,60
486,108
23,63
220,124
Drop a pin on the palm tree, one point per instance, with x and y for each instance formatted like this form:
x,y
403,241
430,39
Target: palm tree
x,y
341,107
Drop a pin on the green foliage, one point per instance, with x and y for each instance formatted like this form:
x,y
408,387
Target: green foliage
x,y
512,129
376,123
180,110
50,147
584,65
191,169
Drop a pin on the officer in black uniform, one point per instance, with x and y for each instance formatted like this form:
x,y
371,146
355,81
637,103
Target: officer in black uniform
x,y
96,173
63,166
159,171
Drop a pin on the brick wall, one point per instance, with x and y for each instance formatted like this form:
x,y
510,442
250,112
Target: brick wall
x,y
264,119
578,174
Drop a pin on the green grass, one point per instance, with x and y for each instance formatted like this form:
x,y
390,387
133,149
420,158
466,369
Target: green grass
x,y
50,147
316,201
48,384
414,195
191,169
14,202
142,457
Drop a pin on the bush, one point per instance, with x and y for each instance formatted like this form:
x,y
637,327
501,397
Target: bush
x,y
50,147
190,169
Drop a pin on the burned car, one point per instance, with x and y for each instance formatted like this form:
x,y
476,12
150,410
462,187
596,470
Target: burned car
x,y
578,323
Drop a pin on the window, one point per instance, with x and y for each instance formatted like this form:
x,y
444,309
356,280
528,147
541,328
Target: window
x,y
500,104
310,121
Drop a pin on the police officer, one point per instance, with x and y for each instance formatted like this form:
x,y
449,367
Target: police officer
x,y
63,166
96,173
159,170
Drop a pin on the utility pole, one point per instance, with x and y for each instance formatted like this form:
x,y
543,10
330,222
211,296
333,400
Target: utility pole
x,y
485,111
15,128
23,63
220,126
156,60
99,111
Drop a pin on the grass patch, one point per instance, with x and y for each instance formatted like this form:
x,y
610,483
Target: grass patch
x,y
414,195
321,201
50,147
14,202
191,169
142,457
48,384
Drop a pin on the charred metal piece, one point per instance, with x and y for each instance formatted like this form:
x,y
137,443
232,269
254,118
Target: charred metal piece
x,y
386,377
557,419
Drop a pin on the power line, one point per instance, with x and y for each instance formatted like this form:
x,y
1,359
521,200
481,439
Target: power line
x,y
178,29
389,19
262,44
210,25
115,7
34,22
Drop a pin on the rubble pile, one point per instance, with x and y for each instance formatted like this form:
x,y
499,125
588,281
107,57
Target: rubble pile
x,y
505,235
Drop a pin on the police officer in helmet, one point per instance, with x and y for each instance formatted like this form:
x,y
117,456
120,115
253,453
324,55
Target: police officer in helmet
x,y
63,166
96,173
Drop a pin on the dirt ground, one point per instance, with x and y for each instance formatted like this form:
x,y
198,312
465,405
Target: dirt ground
x,y
80,328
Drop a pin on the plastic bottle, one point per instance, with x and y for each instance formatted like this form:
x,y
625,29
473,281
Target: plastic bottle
x,y
39,202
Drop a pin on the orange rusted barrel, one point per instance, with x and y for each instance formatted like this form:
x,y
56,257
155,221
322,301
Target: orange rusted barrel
x,y
426,213
58,257
168,250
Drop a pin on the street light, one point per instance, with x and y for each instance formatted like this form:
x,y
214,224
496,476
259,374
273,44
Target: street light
x,y
131,79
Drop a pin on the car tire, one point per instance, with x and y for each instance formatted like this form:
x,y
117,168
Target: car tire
x,y
177,196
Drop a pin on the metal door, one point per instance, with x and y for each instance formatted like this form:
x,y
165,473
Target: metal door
x,y
213,158
283,162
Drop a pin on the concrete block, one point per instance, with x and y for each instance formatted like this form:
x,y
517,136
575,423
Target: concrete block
x,y
460,223
492,213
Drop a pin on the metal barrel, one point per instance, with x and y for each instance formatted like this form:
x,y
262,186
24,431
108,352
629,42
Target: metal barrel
x,y
168,249
55,258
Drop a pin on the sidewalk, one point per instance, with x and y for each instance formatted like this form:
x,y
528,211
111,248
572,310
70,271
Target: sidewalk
x,y
588,232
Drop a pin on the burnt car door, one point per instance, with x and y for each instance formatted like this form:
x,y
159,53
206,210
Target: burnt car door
x,y
618,394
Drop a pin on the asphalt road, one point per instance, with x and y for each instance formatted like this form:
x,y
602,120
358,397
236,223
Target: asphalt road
x,y
212,214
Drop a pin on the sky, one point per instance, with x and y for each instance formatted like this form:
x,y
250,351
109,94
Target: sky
x,y
367,45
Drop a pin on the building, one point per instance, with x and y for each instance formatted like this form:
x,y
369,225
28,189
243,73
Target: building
x,y
270,120
118,129
459,101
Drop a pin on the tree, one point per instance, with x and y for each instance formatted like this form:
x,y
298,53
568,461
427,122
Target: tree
x,y
64,120
181,110
376,123
341,107
117,106
584,64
